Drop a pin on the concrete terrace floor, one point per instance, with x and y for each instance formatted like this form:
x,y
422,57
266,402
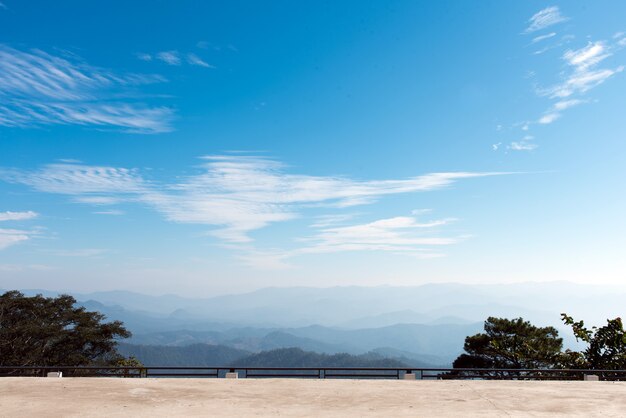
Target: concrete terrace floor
x,y
111,397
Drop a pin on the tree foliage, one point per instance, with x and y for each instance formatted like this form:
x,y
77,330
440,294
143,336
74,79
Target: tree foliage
x,y
41,331
606,346
296,357
511,344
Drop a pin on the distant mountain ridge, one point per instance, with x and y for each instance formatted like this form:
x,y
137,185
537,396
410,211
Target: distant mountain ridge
x,y
196,355
427,344
343,306
204,355
426,323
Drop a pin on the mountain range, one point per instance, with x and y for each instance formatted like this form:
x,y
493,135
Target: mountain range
x,y
425,324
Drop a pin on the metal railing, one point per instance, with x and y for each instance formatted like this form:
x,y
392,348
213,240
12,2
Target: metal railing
x,y
314,372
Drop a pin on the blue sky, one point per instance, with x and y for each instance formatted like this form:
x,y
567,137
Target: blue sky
x,y
200,147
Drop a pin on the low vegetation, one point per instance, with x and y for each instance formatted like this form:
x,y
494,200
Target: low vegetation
x,y
295,357
517,344
40,331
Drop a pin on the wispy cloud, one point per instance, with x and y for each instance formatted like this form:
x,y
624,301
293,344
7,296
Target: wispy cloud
x,y
393,234
522,146
403,235
582,72
544,18
543,37
169,57
112,212
582,77
144,56
9,237
525,144
22,267
193,59
42,89
234,194
18,216
566,104
81,252
76,179
174,58
549,118
324,221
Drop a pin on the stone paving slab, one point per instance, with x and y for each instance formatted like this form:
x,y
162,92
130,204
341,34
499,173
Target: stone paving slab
x,y
116,397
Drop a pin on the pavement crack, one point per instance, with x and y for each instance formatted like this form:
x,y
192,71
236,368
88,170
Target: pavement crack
x,y
483,397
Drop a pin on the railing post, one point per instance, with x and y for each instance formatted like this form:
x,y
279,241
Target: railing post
x,y
409,375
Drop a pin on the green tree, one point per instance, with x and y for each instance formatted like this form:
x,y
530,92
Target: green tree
x,y
606,346
41,331
511,344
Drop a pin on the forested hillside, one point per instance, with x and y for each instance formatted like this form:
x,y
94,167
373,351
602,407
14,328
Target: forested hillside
x,y
190,355
216,355
295,357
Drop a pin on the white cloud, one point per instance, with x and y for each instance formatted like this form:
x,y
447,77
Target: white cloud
x,y
144,57
76,179
396,234
566,104
266,260
584,58
193,59
584,76
37,88
525,144
169,57
22,267
234,194
543,37
554,112
544,18
620,38
403,235
112,212
17,216
522,146
10,237
175,58
323,221
82,252
549,118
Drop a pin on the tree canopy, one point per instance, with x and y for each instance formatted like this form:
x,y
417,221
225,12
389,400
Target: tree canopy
x,y
606,345
511,344
44,331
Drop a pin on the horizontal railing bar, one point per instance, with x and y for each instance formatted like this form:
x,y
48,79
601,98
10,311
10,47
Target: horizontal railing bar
x,y
181,374
316,372
443,370
315,376
384,376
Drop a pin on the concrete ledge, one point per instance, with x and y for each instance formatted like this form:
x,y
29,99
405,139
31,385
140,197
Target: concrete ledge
x,y
182,397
